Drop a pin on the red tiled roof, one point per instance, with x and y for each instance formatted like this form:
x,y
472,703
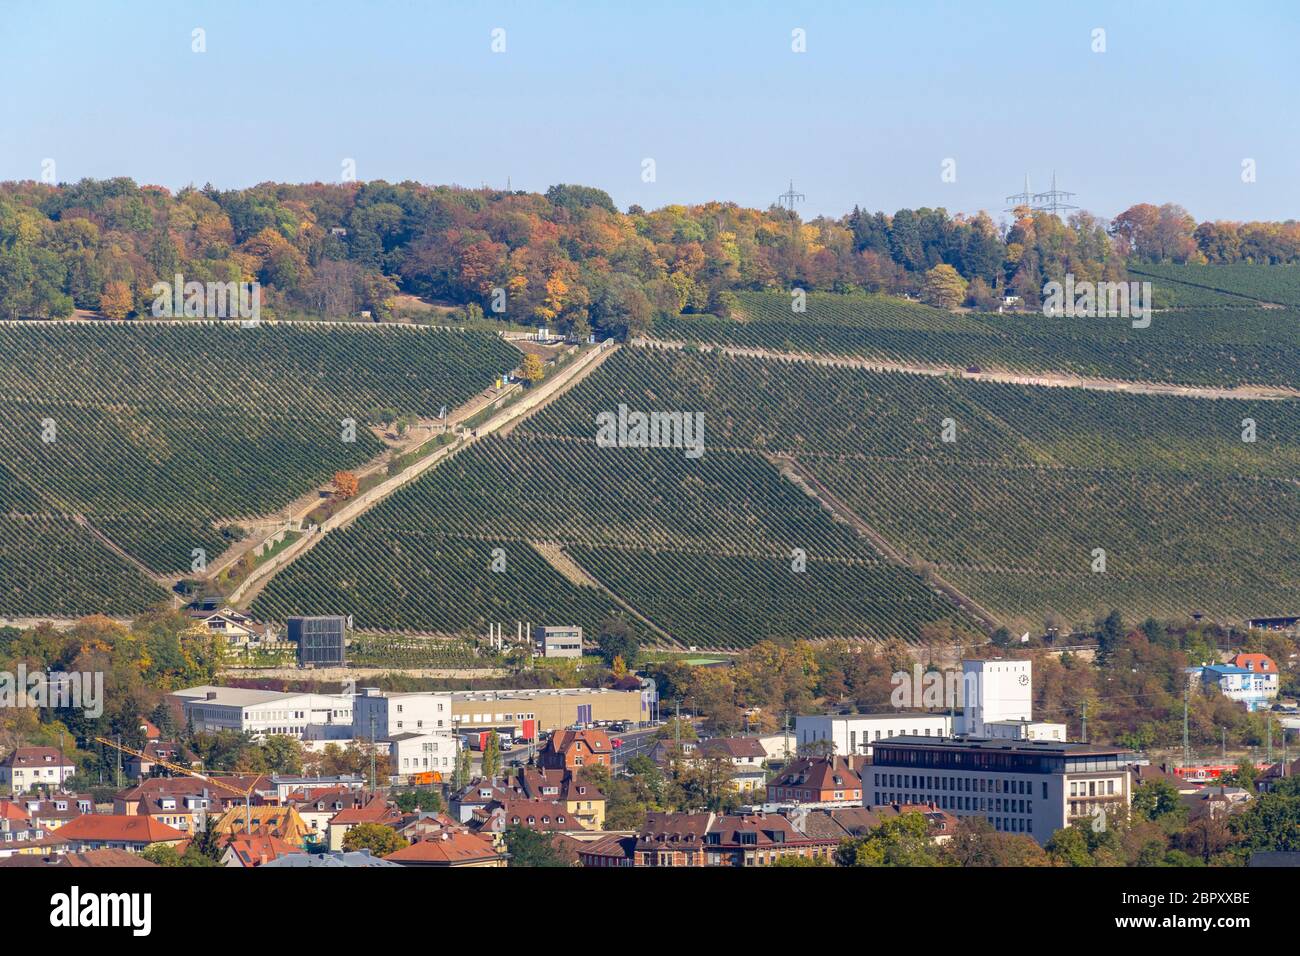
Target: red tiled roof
x,y
563,741
1259,663
376,811
93,827
821,773
12,811
258,848
447,847
675,828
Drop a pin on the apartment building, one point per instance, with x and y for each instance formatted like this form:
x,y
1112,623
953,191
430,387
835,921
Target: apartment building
x,y
29,767
1032,787
390,714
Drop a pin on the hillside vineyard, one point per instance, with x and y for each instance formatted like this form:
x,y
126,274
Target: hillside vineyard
x,y
148,439
1011,513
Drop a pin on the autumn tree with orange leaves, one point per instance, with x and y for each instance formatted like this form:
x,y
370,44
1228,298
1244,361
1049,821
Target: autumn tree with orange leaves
x,y
346,484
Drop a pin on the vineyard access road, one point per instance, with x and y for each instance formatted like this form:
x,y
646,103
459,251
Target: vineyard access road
x,y
1043,379
537,397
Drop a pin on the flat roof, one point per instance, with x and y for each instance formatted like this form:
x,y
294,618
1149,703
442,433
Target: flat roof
x,y
897,715
242,696
1057,747
232,696
488,695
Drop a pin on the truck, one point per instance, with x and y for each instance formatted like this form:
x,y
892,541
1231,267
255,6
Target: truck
x,y
478,740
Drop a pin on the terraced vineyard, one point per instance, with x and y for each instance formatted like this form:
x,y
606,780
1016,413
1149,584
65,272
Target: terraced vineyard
x,y
932,486
1010,512
1191,516
688,542
1208,346
161,435
730,600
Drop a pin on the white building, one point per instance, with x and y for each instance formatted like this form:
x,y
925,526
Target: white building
x,y
417,728
265,713
780,746
1030,787
392,714
855,733
1024,730
236,627
995,691
996,700
412,753
561,642
29,767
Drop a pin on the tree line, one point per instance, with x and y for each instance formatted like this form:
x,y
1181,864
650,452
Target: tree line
x,y
569,258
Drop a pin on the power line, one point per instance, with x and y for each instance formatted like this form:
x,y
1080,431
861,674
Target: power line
x,y
790,197
1053,200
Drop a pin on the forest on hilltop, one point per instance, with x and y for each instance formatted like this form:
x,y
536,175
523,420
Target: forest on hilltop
x,y
568,259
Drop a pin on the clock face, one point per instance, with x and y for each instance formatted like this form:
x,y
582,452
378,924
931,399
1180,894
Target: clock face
x,y
1024,680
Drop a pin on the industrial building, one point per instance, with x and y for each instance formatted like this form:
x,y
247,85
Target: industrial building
x,y
547,710
265,713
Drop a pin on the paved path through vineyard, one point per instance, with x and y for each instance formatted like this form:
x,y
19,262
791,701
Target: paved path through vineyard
x,y
537,397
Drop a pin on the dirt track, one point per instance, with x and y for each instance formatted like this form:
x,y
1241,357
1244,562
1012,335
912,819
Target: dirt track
x,y
1042,379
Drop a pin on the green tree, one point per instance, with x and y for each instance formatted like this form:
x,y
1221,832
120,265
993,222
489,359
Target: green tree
x,y
207,844
529,847
789,860
944,288
1069,847
492,757
1272,821
977,843
901,841
164,855
1244,776
1155,799
464,768
1111,632
375,837
408,801
677,729
618,639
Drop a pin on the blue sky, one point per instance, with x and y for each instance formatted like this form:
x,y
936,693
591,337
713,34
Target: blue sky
x,y
710,90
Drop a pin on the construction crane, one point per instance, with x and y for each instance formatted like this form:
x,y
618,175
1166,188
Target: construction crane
x,y
177,768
